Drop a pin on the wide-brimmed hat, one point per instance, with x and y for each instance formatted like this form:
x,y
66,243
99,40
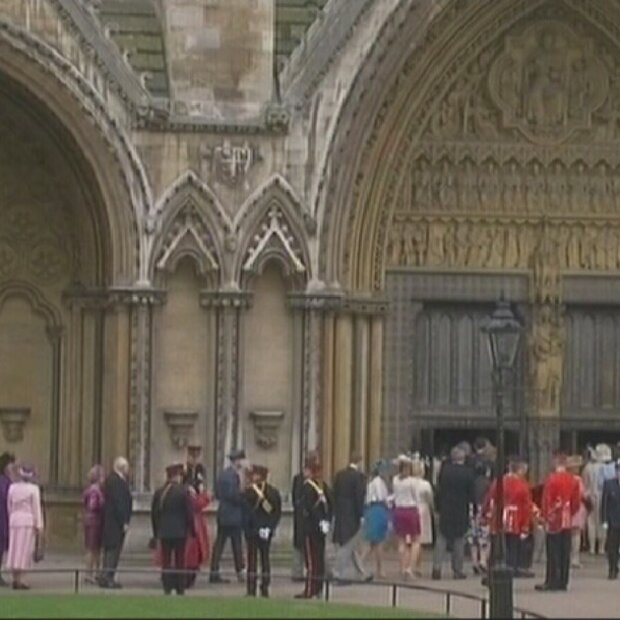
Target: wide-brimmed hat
x,y
26,472
602,453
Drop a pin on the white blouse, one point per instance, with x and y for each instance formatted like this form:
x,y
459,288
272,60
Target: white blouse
x,y
377,490
405,492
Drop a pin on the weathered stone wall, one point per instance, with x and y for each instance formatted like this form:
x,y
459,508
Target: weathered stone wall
x,y
220,55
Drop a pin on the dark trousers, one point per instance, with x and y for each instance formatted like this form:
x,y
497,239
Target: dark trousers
x,y
256,546
224,532
314,556
513,551
558,559
111,558
613,546
173,556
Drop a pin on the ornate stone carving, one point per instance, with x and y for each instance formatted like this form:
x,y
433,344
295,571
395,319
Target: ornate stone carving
x,y
547,352
8,259
13,420
180,425
231,162
266,425
548,82
188,235
274,238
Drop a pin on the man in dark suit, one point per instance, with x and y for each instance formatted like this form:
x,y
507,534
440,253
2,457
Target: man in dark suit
x,y
316,501
455,496
349,491
194,473
172,521
263,506
228,491
116,517
297,572
610,514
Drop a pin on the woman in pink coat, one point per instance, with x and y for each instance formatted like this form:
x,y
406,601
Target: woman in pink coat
x,y
25,523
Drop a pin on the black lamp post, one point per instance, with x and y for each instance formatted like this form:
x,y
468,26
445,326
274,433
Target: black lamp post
x,y
503,338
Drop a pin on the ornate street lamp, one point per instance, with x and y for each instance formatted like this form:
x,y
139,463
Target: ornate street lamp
x,y
503,333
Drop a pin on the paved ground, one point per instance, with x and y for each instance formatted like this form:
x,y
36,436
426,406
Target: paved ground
x,y
590,593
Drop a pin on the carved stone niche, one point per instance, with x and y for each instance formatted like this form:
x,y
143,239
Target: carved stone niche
x,y
180,424
266,426
13,420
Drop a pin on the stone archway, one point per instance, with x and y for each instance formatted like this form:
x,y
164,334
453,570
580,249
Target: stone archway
x,y
489,164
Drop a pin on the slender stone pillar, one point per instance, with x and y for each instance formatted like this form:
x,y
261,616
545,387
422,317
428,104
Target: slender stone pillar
x,y
375,389
361,361
327,400
343,390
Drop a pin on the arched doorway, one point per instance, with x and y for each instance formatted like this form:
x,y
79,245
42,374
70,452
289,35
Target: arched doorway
x,y
477,165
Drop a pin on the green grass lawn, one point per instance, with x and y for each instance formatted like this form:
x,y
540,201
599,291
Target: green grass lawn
x,y
87,606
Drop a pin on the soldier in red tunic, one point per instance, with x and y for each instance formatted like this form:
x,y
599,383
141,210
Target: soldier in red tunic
x,y
517,513
560,502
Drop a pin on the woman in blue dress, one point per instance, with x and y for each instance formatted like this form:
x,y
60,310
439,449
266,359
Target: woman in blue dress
x,y
376,514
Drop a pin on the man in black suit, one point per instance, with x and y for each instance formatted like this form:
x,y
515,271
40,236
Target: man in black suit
x,y
610,514
263,507
349,491
172,521
297,572
116,516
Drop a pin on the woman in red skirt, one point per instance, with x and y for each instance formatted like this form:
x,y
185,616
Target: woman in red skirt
x,y
406,517
197,545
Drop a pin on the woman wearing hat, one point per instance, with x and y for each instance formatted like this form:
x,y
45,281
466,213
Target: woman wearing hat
x,y
376,514
25,524
92,504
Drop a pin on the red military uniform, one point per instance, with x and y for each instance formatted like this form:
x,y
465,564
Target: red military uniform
x,y
517,505
560,501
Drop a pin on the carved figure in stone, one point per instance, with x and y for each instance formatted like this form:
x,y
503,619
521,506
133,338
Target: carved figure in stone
x,y
556,184
462,241
514,199
422,186
547,269
436,242
482,119
450,243
573,247
601,192
231,162
581,87
589,243
446,121
498,244
420,242
610,245
511,260
489,188
547,352
509,84
563,235
536,190
527,242
468,182
447,190
409,255
480,245
396,244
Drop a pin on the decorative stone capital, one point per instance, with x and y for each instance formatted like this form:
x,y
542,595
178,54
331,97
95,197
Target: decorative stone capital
x,y
277,118
266,426
135,296
367,306
322,301
180,425
13,420
225,299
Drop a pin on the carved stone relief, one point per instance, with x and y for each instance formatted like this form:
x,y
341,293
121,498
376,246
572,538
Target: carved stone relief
x,y
230,162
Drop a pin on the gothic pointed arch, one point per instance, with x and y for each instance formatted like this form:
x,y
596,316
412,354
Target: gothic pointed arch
x,y
519,92
192,222
96,136
271,228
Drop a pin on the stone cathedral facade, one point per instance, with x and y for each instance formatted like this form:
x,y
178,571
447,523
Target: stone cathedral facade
x,y
279,224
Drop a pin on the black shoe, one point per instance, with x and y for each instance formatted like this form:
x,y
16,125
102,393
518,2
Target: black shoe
x,y
544,587
459,576
436,575
342,582
20,586
218,579
167,592
524,574
302,595
264,593
612,575
116,586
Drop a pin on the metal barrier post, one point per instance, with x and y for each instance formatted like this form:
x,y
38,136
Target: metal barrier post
x,y
394,595
448,603
76,581
483,609
327,590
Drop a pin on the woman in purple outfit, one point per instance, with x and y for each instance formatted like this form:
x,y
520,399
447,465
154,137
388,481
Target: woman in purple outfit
x,y
6,460
92,502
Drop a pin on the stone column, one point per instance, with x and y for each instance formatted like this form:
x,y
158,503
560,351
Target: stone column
x,y
361,376
229,305
327,396
376,389
343,389
54,333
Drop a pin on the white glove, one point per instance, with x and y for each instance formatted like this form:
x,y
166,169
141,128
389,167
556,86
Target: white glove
x,y
324,526
264,533
605,525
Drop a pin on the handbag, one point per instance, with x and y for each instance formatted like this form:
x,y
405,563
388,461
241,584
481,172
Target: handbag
x,y
39,547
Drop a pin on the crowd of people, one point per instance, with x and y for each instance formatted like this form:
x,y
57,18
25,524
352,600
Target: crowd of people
x,y
450,505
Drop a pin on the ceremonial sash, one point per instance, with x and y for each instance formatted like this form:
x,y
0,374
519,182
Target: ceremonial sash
x,y
319,491
262,500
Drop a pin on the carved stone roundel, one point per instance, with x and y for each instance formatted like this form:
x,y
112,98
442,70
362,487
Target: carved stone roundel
x,y
547,82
